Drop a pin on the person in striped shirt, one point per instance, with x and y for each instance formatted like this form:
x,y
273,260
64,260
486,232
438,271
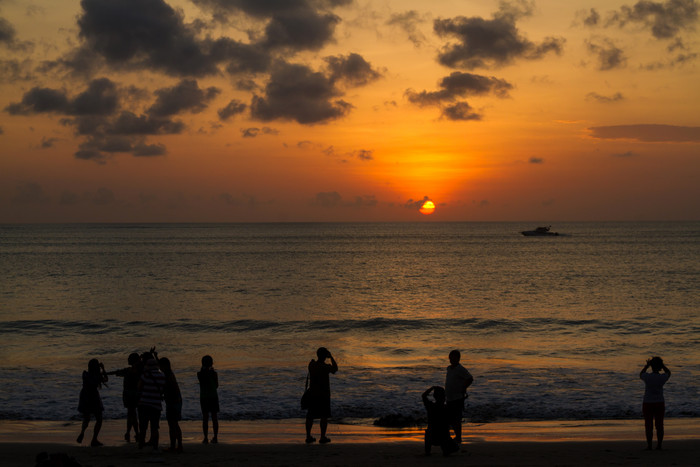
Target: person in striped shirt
x,y
151,387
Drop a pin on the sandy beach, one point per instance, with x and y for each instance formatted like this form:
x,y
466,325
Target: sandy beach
x,y
560,443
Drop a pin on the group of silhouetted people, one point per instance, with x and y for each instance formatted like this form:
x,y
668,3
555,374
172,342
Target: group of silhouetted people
x,y
148,382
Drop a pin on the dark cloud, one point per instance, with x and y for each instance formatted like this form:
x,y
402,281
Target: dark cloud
x,y
47,143
457,85
367,201
100,98
291,24
594,96
409,22
295,92
536,160
592,18
415,205
128,123
664,19
353,70
327,199
7,32
626,154
150,34
29,193
184,96
364,154
234,107
491,42
148,150
460,111
253,132
609,55
648,133
15,70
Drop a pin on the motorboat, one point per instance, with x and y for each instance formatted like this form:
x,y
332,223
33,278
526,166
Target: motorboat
x,y
540,232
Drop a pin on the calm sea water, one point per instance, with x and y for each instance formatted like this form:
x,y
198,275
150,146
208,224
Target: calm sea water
x,y
551,328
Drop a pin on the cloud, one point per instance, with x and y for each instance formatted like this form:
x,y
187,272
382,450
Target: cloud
x,y
329,199
7,32
415,205
364,154
664,19
184,96
296,24
626,154
460,111
648,133
594,96
491,42
409,22
353,70
48,142
68,198
29,193
234,107
459,84
367,201
592,18
536,160
295,92
253,132
102,197
150,34
100,98
609,55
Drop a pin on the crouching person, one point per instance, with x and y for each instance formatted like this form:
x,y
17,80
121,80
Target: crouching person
x,y
438,431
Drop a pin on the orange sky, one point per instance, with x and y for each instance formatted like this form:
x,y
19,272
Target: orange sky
x,y
341,110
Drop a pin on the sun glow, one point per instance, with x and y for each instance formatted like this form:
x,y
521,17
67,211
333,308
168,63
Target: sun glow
x,y
427,208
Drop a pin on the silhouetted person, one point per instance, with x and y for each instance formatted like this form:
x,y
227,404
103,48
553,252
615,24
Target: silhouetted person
x,y
438,431
654,406
130,394
457,380
90,402
209,398
320,393
151,387
173,405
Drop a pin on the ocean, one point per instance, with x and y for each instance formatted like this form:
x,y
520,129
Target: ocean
x,y
551,328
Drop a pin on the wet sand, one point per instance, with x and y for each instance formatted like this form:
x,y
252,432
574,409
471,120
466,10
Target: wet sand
x,y
558,443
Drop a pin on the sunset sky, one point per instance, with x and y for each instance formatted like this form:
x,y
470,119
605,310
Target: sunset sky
x,y
349,110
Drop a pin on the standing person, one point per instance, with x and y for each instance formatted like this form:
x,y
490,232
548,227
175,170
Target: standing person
x,y
438,431
90,402
653,405
173,405
209,398
457,380
130,394
320,390
151,387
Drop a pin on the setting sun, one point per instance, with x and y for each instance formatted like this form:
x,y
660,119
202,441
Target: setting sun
x,y
427,208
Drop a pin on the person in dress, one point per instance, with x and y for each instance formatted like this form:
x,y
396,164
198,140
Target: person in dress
x,y
90,402
130,393
151,387
320,393
653,404
209,398
173,405
438,431
457,380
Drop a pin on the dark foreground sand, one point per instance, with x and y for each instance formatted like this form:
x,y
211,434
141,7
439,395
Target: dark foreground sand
x,y
546,444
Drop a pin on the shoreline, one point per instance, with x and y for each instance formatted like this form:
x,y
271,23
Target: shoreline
x,y
572,442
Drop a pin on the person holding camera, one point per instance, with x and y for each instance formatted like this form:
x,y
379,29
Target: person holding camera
x,y
90,402
653,404
320,393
